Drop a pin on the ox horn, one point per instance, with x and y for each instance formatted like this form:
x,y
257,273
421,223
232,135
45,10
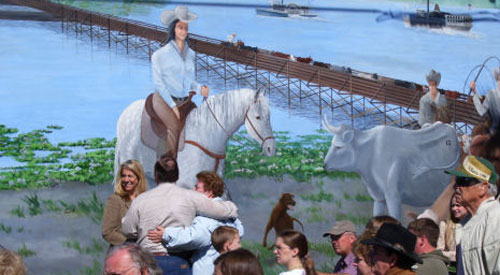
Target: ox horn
x,y
329,127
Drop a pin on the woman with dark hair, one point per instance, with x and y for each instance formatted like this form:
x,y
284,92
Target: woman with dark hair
x,y
131,182
173,67
237,262
291,251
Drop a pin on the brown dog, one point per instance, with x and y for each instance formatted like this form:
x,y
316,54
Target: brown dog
x,y
279,219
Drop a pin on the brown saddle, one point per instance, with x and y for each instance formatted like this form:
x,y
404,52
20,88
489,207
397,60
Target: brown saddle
x,y
159,122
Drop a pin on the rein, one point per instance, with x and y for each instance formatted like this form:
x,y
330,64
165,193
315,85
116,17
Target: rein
x,y
246,118
255,130
219,157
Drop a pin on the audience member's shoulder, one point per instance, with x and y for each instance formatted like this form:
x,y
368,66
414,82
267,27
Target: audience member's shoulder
x,y
494,207
115,198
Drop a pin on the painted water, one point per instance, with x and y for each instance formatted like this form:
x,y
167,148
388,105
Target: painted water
x,y
52,77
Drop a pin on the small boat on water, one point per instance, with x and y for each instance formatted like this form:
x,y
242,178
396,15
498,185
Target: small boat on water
x,y
285,10
439,19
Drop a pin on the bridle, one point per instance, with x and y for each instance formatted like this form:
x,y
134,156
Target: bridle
x,y
219,157
255,130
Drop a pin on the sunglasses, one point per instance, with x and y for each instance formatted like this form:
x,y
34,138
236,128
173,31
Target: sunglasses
x,y
464,181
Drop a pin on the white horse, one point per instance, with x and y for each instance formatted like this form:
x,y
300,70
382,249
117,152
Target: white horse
x,y
207,131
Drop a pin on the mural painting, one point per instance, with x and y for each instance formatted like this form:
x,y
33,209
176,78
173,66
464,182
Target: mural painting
x,y
310,112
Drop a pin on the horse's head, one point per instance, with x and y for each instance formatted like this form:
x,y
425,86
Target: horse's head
x,y
258,124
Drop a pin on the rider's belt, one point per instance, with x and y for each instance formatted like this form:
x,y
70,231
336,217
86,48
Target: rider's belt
x,y
180,98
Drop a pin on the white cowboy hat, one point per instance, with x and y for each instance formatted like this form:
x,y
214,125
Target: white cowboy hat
x,y
433,76
180,12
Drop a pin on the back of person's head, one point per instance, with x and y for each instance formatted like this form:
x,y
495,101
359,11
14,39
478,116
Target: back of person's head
x,y
295,239
166,170
237,262
222,235
374,224
212,182
11,263
425,227
137,258
136,167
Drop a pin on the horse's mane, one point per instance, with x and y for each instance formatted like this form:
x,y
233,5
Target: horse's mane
x,y
226,106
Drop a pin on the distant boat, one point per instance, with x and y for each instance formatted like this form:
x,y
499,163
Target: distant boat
x,y
439,19
285,10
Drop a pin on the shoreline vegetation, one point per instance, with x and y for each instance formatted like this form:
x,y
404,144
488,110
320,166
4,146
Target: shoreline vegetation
x,y
40,163
38,187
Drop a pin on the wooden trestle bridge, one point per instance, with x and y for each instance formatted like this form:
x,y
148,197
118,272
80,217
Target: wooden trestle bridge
x,y
357,94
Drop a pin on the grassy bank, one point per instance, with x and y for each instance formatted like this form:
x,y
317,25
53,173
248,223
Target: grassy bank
x,y
38,162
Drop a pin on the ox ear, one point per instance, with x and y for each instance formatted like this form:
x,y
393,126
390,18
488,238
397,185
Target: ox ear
x,y
348,136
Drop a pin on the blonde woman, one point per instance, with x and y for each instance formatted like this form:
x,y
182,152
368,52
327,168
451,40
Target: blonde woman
x,y
131,183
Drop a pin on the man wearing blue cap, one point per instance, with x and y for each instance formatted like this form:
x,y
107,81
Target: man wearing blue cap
x,y
480,243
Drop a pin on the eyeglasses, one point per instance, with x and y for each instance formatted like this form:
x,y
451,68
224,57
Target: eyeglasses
x,y
465,181
335,238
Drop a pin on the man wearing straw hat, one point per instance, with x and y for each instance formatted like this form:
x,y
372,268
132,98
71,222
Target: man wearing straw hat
x,y
173,67
491,103
431,101
480,242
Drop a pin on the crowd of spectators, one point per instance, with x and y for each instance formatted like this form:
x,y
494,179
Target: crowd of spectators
x,y
172,230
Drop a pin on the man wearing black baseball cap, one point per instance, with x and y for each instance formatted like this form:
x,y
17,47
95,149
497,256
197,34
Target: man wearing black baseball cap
x,y
393,250
480,242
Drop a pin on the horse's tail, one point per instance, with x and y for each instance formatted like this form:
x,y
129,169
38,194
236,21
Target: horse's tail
x,y
116,165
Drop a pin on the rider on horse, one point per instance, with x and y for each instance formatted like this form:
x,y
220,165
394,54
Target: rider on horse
x,y
491,103
173,67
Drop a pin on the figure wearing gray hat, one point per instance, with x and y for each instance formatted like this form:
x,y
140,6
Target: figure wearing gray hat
x,y
491,103
173,67
431,100
342,235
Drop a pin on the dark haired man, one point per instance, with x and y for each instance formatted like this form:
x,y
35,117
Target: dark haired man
x,y
168,205
198,235
393,250
480,242
427,232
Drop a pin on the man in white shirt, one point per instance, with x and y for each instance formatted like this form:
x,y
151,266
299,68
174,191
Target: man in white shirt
x,y
480,243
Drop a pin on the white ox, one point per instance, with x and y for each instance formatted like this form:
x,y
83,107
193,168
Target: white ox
x,y
397,165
